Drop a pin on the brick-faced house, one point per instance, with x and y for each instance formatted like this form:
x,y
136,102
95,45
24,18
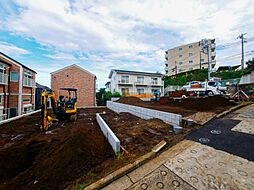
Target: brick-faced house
x,y
16,87
74,76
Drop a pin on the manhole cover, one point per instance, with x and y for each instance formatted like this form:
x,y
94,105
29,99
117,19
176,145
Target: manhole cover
x,y
204,140
216,132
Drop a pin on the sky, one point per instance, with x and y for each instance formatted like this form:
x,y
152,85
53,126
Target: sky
x,y
100,35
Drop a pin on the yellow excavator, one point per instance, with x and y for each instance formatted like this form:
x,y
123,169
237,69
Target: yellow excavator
x,y
62,108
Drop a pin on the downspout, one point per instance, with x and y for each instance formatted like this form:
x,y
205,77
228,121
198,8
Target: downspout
x,y
20,90
9,88
34,86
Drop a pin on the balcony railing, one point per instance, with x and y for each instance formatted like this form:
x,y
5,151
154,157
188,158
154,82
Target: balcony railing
x,y
3,78
28,82
124,81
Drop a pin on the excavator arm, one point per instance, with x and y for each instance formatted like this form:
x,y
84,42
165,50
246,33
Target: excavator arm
x,y
46,120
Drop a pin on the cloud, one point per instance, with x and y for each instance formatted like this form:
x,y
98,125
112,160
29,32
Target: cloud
x,y
101,35
11,49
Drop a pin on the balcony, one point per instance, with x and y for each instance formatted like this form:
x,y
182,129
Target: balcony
x,y
166,56
28,82
124,82
3,78
140,83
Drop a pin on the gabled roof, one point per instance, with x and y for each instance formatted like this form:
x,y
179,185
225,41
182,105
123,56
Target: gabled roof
x,y
70,66
134,73
16,62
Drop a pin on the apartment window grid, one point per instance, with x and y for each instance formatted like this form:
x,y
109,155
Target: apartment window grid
x,y
3,76
180,55
140,91
190,61
14,76
180,49
190,46
180,63
190,54
154,80
28,78
125,79
140,80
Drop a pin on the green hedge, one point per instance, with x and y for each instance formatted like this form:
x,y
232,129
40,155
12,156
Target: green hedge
x,y
201,75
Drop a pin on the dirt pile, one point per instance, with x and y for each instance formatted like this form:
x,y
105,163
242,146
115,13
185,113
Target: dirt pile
x,y
53,160
204,104
178,93
165,100
130,100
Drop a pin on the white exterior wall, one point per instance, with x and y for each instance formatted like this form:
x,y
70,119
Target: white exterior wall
x,y
133,86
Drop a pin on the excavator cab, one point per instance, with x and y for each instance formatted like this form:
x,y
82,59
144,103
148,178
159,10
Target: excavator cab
x,y
61,109
67,103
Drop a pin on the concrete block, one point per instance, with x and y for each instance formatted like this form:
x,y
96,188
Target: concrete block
x,y
145,113
108,133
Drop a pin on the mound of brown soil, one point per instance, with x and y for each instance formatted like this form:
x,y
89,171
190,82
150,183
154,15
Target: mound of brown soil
x,y
36,160
165,100
204,104
130,100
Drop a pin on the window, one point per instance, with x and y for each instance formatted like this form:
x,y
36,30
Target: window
x,y
26,100
166,72
202,60
28,78
125,79
190,46
1,68
140,90
180,63
140,80
1,99
14,76
27,108
180,55
154,80
180,48
212,84
190,61
190,54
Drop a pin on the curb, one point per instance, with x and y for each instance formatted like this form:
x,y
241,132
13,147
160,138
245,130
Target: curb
x,y
232,109
126,169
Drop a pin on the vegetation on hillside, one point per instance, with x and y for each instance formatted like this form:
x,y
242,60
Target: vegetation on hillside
x,y
201,75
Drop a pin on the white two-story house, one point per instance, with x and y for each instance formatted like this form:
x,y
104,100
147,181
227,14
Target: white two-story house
x,y
134,82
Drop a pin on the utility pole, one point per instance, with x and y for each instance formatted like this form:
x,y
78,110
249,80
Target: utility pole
x,y
208,60
242,38
205,48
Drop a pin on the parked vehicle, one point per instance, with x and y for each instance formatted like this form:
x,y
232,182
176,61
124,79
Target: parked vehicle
x,y
209,88
191,85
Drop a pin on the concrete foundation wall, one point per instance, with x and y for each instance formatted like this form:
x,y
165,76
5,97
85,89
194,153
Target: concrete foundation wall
x,y
170,118
110,136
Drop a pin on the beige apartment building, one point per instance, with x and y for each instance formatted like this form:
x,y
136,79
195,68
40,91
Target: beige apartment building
x,y
134,83
188,57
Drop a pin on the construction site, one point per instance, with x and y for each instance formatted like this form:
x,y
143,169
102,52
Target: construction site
x,y
74,154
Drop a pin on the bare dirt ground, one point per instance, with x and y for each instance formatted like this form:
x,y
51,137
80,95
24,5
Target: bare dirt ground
x,y
73,153
185,107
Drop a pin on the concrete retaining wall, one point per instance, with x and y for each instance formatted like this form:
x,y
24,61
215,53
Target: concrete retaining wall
x,y
110,136
170,118
18,117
